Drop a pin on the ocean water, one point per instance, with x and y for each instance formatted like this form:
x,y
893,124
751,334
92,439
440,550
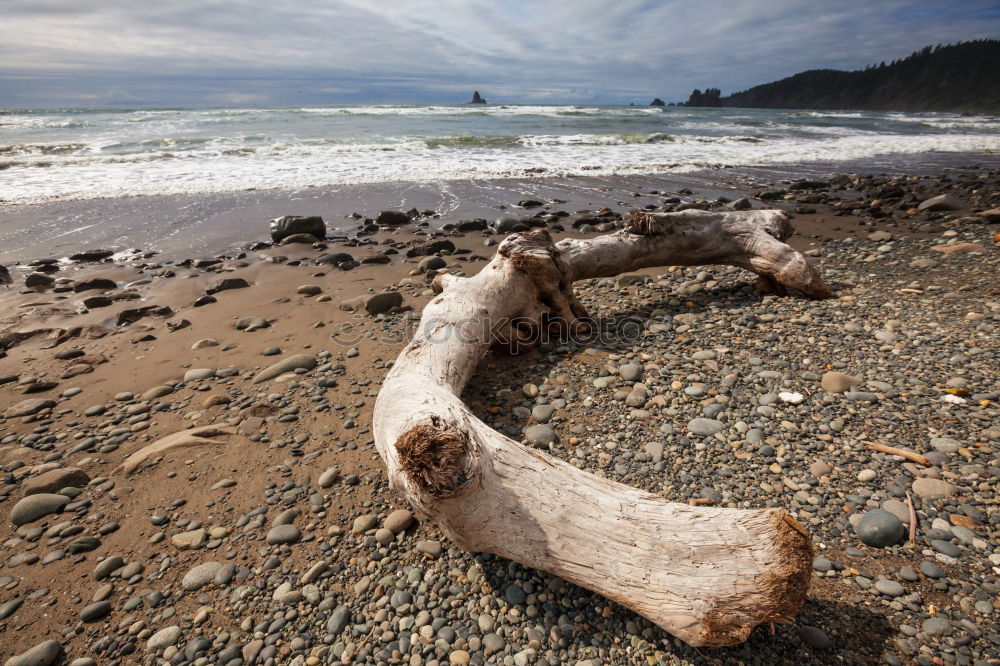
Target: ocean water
x,y
75,154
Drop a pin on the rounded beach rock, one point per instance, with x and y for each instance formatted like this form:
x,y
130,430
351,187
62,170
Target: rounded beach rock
x,y
55,480
288,364
43,654
879,528
33,507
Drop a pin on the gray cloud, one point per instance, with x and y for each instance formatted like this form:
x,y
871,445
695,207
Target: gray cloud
x,y
189,52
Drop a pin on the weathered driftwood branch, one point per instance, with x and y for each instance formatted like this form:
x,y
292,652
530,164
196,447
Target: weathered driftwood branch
x,y
706,575
201,436
912,456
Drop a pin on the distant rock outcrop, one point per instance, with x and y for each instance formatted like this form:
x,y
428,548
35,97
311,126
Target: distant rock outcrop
x,y
657,102
476,99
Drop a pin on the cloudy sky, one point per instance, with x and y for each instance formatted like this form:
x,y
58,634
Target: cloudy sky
x,y
290,52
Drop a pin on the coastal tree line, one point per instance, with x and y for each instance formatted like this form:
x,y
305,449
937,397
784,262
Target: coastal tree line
x,y
962,77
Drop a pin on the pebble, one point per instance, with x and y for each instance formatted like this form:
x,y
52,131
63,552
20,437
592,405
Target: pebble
x,y
42,654
432,548
879,528
199,374
936,626
705,427
398,521
814,637
933,488
890,588
282,534
107,566
630,372
163,638
542,413
95,611
200,576
327,478
931,569
36,506
189,540
364,523
540,435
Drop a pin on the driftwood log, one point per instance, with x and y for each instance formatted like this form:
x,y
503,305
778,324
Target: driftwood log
x,y
706,575
202,436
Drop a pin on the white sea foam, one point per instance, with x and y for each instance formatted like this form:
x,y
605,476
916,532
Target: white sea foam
x,y
76,154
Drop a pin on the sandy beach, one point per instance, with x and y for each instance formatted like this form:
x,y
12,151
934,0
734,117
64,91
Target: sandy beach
x,y
278,541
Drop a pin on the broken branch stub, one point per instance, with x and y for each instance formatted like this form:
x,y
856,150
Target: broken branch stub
x,y
706,575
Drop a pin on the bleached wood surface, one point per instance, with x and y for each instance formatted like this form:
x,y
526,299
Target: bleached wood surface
x,y
706,575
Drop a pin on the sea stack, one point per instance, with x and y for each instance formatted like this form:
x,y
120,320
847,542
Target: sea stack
x,y
476,99
657,102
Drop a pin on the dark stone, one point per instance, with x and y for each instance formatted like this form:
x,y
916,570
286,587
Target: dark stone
x,y
95,302
505,224
96,283
5,277
39,387
38,281
814,637
205,300
383,302
338,620
283,227
657,102
879,528
945,548
431,247
226,284
476,99
391,218
431,264
127,317
809,185
530,203
478,224
300,239
9,608
931,569
92,255
377,259
772,195
83,545
95,611
515,595
333,259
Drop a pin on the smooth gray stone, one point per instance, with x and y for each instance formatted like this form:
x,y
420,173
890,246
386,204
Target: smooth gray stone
x,y
33,507
43,654
95,611
879,528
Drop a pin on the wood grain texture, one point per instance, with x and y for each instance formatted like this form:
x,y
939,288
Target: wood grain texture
x,y
706,575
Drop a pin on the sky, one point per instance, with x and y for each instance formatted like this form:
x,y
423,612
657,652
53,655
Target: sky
x,y
72,53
